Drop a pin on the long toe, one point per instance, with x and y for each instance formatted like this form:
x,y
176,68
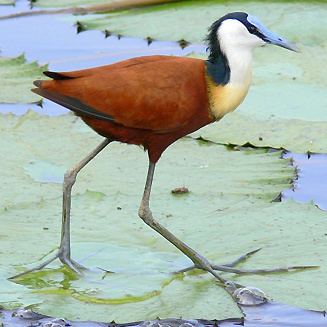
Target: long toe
x,y
72,264
66,260
261,271
230,267
37,268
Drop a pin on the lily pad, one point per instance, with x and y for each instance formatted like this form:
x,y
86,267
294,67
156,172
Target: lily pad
x,y
227,212
7,2
292,134
287,104
16,80
176,21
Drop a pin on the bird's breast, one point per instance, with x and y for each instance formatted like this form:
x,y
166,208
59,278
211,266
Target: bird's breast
x,y
225,98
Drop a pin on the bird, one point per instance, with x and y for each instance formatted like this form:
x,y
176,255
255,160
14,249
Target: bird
x,y
153,101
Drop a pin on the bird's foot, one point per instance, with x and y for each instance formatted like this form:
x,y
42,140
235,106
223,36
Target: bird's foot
x,y
63,257
230,267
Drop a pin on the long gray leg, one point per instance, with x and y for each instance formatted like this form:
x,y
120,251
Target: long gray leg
x,y
64,252
146,215
198,260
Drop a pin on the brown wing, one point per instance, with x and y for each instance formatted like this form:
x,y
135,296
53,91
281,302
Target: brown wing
x,y
158,93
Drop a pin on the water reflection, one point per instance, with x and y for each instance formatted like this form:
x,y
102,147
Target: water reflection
x,y
311,184
53,40
20,5
48,108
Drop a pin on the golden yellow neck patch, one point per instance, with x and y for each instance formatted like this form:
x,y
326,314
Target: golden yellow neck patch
x,y
225,98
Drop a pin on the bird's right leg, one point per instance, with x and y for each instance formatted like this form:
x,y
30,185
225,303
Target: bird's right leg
x,y
64,251
146,215
199,261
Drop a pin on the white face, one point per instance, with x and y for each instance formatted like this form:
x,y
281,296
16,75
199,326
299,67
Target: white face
x,y
233,35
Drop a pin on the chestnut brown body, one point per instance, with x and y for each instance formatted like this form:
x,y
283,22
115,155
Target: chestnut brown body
x,y
150,101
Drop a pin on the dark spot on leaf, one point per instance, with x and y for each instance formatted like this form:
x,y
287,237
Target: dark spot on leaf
x,y
149,40
31,3
40,103
183,43
180,190
278,198
80,27
107,33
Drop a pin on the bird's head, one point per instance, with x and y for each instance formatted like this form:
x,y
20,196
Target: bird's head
x,y
238,30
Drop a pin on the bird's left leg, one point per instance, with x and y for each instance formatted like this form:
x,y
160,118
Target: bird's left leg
x,y
64,251
199,261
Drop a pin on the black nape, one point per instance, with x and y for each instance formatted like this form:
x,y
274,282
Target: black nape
x,y
217,63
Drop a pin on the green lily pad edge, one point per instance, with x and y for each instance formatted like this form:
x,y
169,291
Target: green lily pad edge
x,y
17,76
7,2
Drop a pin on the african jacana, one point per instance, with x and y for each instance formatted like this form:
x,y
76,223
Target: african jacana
x,y
155,100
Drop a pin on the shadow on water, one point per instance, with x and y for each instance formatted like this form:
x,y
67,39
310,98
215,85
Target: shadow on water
x,y
53,40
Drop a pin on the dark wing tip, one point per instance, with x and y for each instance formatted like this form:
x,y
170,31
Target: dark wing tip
x,y
56,76
37,91
73,104
37,83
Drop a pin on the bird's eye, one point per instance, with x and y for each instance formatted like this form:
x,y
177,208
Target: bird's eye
x,y
252,29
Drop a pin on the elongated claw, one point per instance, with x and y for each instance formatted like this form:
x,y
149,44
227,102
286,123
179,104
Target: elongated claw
x,y
260,271
73,265
229,267
242,258
225,267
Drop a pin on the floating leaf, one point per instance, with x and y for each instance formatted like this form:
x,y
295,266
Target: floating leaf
x,y
227,212
291,134
16,80
286,106
7,2
190,19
